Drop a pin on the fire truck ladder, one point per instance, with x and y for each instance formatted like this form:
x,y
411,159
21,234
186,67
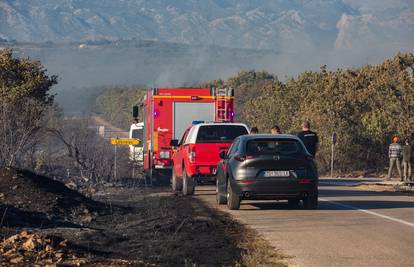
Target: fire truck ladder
x,y
221,106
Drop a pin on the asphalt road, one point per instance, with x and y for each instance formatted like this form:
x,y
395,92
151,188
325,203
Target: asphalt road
x,y
351,227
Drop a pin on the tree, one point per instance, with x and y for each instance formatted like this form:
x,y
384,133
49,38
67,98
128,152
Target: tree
x,y
24,99
365,106
89,153
20,78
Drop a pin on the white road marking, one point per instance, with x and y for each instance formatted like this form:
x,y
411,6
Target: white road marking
x,y
369,212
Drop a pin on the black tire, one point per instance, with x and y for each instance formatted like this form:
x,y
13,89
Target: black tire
x,y
188,184
220,197
176,183
148,177
311,202
149,173
233,200
294,202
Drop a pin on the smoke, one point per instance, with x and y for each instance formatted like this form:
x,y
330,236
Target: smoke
x,y
377,24
365,32
341,41
84,72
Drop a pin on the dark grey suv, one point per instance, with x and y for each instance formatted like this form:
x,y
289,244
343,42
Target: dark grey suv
x,y
267,167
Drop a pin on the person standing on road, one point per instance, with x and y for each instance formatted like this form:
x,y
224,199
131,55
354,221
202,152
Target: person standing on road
x,y
407,151
309,138
394,153
254,130
275,130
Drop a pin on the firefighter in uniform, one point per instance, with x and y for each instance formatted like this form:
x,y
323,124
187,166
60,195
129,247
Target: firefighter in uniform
x,y
309,138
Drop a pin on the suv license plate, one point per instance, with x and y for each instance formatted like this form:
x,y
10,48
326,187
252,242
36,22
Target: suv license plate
x,y
276,174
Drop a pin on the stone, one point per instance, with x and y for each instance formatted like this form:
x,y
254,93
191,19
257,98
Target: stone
x,y
86,219
71,185
29,245
16,260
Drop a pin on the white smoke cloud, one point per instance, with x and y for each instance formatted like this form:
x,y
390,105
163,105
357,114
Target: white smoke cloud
x,y
367,31
342,40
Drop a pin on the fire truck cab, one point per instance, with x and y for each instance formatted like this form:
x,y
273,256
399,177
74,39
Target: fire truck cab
x,y
136,131
168,112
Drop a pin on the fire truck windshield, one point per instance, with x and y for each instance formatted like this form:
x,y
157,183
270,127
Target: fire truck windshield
x,y
138,134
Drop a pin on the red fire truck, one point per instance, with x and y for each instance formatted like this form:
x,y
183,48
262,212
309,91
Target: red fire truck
x,y
168,112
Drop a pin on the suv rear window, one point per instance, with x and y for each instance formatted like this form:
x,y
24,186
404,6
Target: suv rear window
x,y
219,133
261,146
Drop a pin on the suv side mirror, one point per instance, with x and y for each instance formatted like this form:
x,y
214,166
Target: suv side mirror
x,y
174,143
309,157
223,154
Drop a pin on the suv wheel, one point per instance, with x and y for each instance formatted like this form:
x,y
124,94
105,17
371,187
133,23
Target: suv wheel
x,y
220,197
176,183
188,184
233,200
294,202
311,202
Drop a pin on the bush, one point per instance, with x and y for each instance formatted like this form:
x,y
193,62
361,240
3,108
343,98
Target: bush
x,y
115,105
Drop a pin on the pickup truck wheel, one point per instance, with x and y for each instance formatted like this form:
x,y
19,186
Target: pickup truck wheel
x,y
233,200
311,202
220,197
188,184
176,183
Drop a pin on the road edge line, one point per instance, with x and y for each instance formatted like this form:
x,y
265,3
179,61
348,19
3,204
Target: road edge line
x,y
369,212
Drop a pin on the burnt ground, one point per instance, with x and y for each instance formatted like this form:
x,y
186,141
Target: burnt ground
x,y
121,226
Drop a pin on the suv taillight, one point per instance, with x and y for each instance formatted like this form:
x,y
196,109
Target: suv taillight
x,y
164,154
239,158
192,155
243,158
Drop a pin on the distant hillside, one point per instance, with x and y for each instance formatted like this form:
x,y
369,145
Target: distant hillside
x,y
288,25
115,105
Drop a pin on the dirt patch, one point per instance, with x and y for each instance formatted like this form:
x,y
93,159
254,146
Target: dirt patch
x,y
120,227
30,200
173,230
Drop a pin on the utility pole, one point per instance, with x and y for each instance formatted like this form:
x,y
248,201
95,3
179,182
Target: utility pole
x,y
334,139
115,161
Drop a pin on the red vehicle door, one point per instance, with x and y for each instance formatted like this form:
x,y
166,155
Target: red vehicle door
x,y
179,154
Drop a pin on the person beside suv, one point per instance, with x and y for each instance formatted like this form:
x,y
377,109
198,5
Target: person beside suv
x,y
309,138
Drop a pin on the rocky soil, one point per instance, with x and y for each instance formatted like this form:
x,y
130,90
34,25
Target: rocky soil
x,y
44,223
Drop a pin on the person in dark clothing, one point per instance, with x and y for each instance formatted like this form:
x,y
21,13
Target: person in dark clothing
x,y
309,138
406,162
254,130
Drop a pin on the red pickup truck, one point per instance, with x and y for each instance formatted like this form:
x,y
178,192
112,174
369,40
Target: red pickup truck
x,y
197,153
